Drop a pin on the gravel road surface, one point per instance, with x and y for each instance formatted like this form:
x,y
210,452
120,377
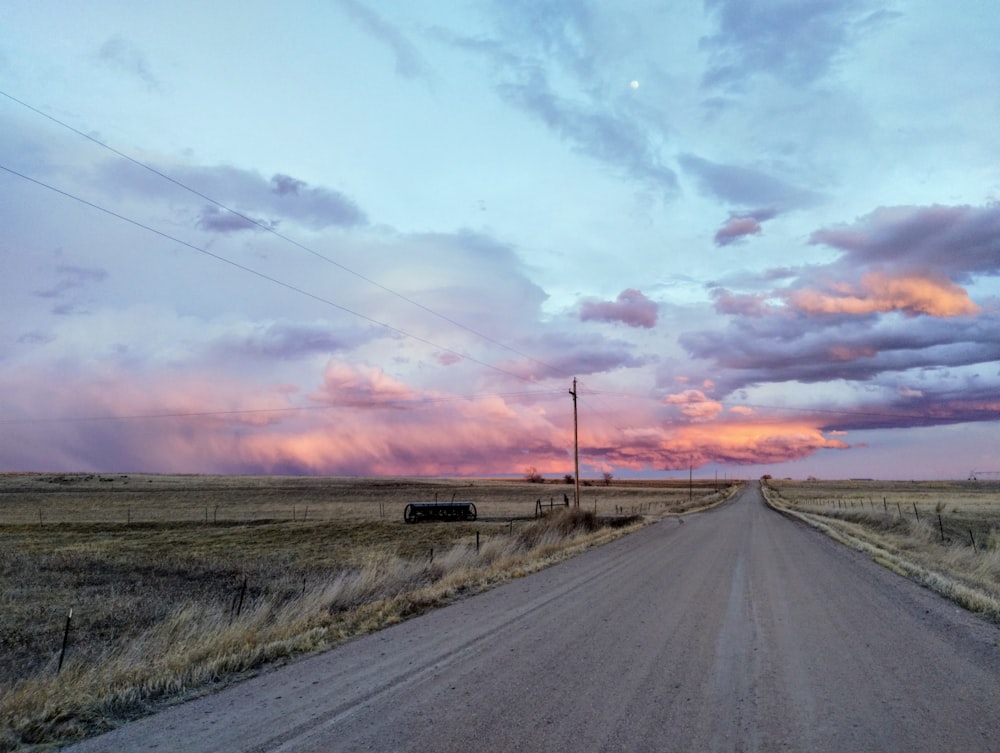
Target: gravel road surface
x,y
734,630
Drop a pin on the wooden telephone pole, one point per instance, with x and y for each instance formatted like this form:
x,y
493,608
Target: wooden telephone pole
x,y
576,450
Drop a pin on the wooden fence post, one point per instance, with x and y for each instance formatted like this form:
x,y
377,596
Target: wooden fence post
x,y
62,653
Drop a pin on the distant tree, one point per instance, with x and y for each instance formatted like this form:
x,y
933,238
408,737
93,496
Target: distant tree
x,y
568,478
531,474
607,476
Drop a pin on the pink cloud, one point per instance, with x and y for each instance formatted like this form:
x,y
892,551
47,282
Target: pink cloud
x,y
926,293
751,304
361,386
736,229
631,308
695,405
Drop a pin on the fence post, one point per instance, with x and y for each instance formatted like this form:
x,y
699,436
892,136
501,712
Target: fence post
x,y
941,526
915,512
973,541
900,509
62,653
477,542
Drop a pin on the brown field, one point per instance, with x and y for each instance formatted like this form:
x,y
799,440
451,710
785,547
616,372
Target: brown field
x,y
178,582
944,534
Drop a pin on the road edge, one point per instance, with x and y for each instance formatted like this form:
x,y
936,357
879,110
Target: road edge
x,y
972,599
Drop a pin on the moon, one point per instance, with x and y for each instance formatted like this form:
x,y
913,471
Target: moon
x,y
634,84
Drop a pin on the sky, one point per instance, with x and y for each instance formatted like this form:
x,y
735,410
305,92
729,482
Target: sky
x,y
376,238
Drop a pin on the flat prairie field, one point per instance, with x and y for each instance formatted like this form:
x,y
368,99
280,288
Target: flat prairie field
x,y
126,551
963,506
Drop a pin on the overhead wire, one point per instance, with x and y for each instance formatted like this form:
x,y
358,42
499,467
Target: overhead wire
x,y
415,403
269,229
258,273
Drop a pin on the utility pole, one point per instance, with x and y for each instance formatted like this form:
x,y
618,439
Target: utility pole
x,y
576,450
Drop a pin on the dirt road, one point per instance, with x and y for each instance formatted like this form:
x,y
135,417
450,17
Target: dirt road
x,y
735,630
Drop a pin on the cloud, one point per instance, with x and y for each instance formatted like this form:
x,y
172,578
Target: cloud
x,y
789,40
360,386
280,198
694,405
72,278
409,62
560,62
957,241
564,355
631,308
593,130
746,186
749,304
877,292
731,441
68,288
736,228
216,220
291,340
741,224
118,53
788,347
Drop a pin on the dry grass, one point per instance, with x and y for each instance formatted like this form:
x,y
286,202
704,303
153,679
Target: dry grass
x,y
154,568
945,535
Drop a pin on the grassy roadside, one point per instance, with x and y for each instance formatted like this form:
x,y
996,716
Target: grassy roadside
x,y
872,518
172,599
201,644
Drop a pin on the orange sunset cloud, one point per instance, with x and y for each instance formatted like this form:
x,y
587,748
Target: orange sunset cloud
x,y
878,292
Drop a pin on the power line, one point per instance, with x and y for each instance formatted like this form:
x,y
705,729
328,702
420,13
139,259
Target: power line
x,y
267,228
416,403
257,273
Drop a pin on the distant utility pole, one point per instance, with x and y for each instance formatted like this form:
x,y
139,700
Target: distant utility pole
x,y
576,450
